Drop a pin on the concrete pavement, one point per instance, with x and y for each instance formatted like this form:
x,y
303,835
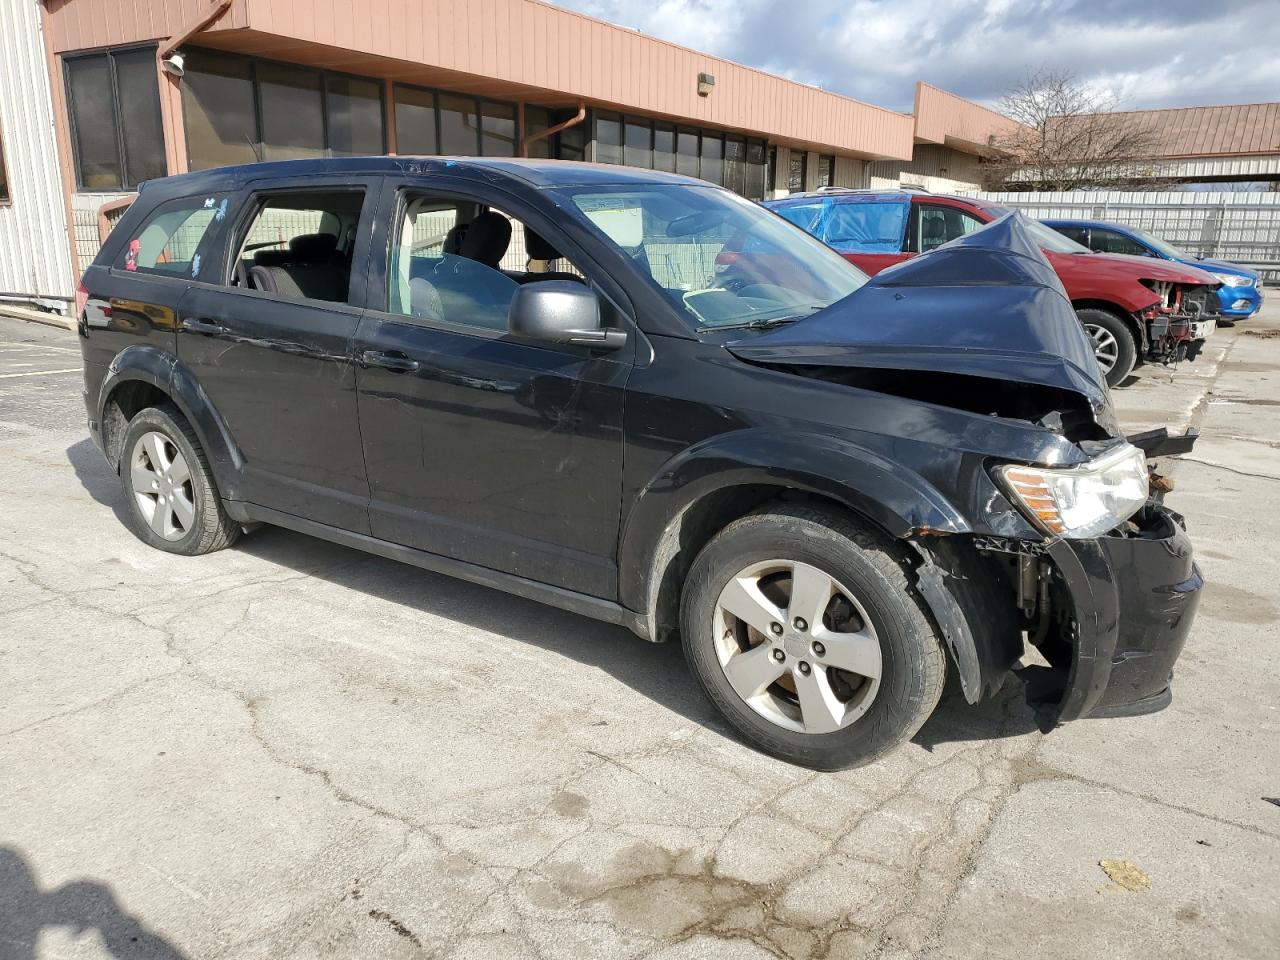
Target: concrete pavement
x,y
293,750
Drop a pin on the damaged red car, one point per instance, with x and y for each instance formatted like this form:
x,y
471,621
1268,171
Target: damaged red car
x,y
665,408
1135,309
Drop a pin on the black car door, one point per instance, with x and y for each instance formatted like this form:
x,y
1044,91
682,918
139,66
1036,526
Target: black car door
x,y
480,447
272,344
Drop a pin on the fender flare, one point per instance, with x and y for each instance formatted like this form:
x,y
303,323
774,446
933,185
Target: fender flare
x,y
165,372
898,501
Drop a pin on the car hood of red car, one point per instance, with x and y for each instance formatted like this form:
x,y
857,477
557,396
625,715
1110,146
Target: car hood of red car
x,y
1142,268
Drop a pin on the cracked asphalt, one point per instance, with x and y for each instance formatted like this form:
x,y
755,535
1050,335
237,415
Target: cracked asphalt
x,y
293,750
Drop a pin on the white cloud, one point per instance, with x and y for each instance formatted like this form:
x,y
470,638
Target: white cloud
x,y
1151,54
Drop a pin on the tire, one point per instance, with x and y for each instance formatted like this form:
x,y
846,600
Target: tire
x,y
866,571
1113,342
169,508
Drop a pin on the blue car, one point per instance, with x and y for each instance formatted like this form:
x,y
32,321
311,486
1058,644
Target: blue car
x,y
1241,290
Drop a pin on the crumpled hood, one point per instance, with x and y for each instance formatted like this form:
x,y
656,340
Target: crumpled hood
x,y
985,305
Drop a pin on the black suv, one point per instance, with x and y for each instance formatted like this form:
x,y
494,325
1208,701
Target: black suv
x,y
641,398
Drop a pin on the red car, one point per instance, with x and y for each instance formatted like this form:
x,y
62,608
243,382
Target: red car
x,y
1134,308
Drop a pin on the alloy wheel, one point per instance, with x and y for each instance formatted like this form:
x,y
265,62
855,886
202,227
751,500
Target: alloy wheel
x,y
797,646
1105,346
162,487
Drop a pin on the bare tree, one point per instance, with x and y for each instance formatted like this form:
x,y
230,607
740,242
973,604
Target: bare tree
x,y
1067,136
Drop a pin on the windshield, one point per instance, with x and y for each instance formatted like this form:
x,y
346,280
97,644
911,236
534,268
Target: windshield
x,y
1047,237
723,260
1162,247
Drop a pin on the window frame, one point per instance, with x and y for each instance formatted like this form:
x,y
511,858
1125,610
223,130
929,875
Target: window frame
x,y
211,243
126,184
249,203
396,194
259,145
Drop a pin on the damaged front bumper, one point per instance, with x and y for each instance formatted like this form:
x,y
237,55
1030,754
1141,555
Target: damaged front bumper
x,y
1132,599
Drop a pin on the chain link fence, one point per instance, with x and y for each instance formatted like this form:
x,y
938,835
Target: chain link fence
x,y
1241,227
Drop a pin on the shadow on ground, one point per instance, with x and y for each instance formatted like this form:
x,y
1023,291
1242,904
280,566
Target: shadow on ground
x,y
80,906
656,671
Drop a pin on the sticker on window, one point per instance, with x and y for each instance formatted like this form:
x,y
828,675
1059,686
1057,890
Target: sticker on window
x,y
195,265
621,223
131,255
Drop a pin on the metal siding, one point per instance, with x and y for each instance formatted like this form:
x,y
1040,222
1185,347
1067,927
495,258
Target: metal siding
x,y
34,254
1241,227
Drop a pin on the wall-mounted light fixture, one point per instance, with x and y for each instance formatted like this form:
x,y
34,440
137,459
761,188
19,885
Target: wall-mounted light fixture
x,y
706,83
173,63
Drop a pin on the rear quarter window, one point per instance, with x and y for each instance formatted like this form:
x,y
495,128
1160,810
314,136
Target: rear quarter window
x,y
172,240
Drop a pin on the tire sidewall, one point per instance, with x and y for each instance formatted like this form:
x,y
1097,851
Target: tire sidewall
x,y
904,698
1127,348
154,419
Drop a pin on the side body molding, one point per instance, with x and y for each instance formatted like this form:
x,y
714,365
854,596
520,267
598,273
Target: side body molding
x,y
897,500
167,373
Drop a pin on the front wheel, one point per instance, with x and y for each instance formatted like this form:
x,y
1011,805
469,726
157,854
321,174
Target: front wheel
x,y
803,630
1113,343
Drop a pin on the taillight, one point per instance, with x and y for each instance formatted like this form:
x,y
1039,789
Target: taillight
x,y
82,299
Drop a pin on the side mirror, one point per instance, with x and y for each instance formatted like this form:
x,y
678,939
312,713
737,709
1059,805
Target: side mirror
x,y
561,311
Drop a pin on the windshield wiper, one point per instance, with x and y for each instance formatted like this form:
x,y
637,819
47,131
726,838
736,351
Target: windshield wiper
x,y
764,323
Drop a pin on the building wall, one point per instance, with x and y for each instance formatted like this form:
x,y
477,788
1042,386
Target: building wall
x,y
936,168
34,253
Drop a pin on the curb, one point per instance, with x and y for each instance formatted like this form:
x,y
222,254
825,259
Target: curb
x,y
36,316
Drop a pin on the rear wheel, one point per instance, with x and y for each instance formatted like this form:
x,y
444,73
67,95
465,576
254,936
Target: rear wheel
x,y
173,503
1113,343
803,630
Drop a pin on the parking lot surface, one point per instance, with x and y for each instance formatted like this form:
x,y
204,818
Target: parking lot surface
x,y
293,750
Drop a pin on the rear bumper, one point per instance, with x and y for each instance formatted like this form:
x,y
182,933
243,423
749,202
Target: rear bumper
x,y
1134,599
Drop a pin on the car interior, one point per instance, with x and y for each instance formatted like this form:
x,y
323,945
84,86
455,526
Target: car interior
x,y
300,245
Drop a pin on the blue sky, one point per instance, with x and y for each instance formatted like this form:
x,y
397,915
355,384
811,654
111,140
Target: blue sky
x,y
1169,54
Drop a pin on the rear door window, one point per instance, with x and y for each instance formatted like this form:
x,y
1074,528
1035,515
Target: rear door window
x,y
936,224
173,240
855,226
1108,241
299,245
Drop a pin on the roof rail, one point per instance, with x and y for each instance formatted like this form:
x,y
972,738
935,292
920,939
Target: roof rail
x,y
828,191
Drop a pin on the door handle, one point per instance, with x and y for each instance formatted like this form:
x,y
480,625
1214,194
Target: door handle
x,y
389,361
203,326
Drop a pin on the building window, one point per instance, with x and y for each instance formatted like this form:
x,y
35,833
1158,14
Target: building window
x,y
687,152
537,119
497,129
638,147
735,164
757,170
664,148
5,196
113,99
608,137
355,116
238,109
416,121
826,170
292,110
797,171
712,158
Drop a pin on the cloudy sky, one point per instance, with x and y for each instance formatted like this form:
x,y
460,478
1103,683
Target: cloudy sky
x,y
1149,54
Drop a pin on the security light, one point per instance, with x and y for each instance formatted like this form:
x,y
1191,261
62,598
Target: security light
x,y
705,84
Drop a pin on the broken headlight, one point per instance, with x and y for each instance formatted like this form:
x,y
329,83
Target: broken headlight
x,y
1083,501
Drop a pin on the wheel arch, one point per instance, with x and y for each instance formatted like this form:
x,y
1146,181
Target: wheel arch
x,y
141,376
708,486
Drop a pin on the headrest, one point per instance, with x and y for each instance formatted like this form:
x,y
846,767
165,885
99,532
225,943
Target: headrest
x,y
271,258
487,238
935,227
313,246
538,248
453,239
